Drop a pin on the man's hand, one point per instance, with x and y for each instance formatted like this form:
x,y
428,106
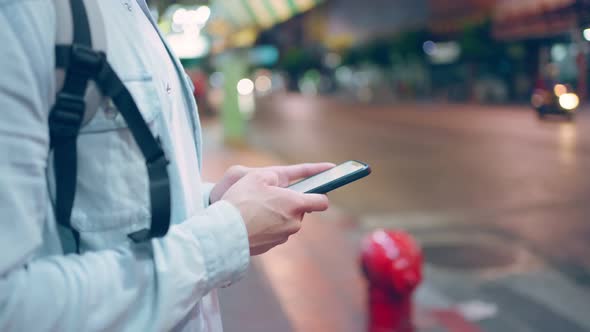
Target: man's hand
x,y
286,174
271,213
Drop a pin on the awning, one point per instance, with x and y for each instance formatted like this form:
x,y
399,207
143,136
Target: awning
x,y
510,9
258,13
236,23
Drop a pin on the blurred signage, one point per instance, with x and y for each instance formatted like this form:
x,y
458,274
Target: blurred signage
x,y
534,18
442,52
257,56
264,55
449,17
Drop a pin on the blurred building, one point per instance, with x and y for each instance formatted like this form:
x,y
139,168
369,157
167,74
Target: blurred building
x,y
526,19
451,16
460,50
561,29
365,20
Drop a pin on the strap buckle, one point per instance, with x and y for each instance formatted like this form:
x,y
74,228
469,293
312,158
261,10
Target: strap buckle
x,y
86,61
157,162
67,114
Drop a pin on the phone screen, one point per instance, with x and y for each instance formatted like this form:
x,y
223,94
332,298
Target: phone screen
x,y
328,176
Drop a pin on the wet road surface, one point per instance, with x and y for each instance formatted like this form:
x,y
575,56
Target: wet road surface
x,y
498,200
496,168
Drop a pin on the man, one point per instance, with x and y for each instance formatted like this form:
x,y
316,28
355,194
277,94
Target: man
x,y
114,283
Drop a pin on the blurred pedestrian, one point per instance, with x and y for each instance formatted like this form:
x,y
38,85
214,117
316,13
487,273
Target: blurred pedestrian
x,y
82,246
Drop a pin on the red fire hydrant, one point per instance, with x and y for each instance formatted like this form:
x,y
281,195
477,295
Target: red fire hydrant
x,y
392,263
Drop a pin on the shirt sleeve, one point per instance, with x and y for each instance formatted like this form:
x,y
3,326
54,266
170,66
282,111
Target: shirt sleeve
x,y
143,287
148,287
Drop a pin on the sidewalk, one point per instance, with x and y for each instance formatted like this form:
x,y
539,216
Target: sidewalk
x,y
312,283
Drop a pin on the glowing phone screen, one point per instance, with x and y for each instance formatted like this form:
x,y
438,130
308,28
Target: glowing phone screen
x,y
330,175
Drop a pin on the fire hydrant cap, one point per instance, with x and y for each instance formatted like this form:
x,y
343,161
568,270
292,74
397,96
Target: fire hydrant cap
x,y
392,259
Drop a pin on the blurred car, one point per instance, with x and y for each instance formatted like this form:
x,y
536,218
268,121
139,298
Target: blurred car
x,y
561,100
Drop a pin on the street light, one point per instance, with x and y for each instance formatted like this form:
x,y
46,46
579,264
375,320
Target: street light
x,y
187,17
245,87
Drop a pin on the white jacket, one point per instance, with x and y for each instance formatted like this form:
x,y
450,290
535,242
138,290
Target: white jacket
x,y
166,284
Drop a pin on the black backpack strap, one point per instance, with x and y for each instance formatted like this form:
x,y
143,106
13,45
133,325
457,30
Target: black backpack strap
x,y
82,64
67,114
111,86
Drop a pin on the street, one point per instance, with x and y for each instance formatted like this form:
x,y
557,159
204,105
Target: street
x,y
498,199
468,165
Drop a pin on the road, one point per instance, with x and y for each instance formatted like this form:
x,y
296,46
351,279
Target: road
x,y
491,191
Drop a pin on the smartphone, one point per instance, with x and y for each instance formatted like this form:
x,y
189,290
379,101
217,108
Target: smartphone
x,y
333,178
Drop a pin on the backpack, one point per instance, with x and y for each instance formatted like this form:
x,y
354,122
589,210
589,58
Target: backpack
x,y
86,75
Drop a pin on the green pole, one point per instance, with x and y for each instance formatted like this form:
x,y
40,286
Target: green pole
x,y
234,125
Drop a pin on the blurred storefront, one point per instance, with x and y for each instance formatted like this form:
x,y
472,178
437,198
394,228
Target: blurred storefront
x,y
498,50
464,61
485,51
526,19
558,29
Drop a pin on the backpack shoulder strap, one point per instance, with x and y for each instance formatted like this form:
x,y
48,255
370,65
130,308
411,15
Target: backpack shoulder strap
x,y
68,112
65,36
82,64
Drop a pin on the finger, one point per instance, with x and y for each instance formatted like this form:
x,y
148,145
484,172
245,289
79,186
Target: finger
x,y
288,174
314,203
